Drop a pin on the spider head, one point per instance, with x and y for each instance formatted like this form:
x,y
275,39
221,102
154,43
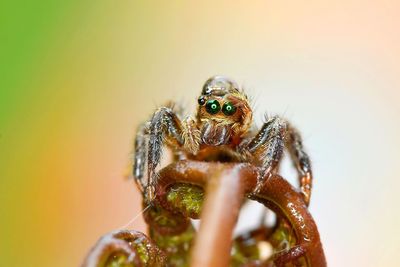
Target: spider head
x,y
224,111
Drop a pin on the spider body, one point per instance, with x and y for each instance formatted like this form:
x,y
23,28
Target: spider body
x,y
220,131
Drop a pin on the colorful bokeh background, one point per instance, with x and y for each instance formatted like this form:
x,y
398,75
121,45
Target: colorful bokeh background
x,y
76,78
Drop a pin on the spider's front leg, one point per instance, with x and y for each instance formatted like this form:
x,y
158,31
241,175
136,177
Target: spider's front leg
x,y
164,128
267,148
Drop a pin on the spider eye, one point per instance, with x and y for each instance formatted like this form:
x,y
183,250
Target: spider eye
x,y
228,109
201,100
213,106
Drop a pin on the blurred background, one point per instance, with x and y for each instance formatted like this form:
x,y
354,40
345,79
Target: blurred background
x,y
78,76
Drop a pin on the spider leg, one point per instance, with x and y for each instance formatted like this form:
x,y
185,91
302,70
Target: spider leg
x,y
164,128
140,154
301,161
267,148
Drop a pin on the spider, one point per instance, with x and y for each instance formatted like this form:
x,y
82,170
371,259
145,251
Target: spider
x,y
221,131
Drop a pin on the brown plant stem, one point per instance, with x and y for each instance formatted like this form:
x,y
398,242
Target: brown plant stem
x,y
226,185
276,193
225,193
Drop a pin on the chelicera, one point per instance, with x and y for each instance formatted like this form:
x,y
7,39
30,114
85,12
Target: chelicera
x,y
222,130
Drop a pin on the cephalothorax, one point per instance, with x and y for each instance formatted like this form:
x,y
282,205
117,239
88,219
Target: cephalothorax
x,y
220,131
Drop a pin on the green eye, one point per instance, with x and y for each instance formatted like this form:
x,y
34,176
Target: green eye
x,y
213,106
228,109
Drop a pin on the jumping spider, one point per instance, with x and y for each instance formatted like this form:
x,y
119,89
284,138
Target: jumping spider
x,y
221,131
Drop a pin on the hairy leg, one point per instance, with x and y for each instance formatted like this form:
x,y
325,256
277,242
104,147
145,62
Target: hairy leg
x,y
140,154
164,128
267,147
301,161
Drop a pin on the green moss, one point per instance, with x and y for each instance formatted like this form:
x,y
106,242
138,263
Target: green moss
x,y
283,237
244,252
141,248
177,247
184,201
162,217
117,260
186,198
